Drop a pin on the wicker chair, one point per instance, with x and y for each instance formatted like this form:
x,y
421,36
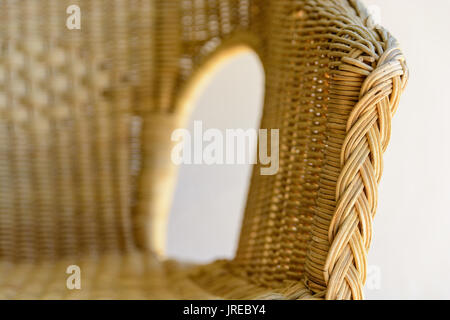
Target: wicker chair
x,y
85,123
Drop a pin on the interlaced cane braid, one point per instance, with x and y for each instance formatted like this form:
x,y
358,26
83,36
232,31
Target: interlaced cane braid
x,y
367,136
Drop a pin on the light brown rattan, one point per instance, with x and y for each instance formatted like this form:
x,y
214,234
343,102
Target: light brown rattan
x,y
85,123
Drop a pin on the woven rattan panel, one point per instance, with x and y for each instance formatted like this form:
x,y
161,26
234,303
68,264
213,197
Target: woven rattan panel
x,y
86,117
332,86
67,114
277,227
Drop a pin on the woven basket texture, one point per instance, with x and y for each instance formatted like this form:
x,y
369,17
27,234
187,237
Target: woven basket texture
x,y
86,118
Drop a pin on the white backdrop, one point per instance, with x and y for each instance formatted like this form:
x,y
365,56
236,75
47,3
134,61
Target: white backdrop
x,y
411,246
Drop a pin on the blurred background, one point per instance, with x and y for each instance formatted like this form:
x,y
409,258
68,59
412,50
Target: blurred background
x,y
410,254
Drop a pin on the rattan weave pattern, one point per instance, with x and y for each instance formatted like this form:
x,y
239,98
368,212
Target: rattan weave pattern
x,y
85,123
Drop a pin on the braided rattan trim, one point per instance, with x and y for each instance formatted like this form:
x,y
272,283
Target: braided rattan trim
x,y
368,131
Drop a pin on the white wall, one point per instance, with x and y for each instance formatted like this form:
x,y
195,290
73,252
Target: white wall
x,y
411,246
209,200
